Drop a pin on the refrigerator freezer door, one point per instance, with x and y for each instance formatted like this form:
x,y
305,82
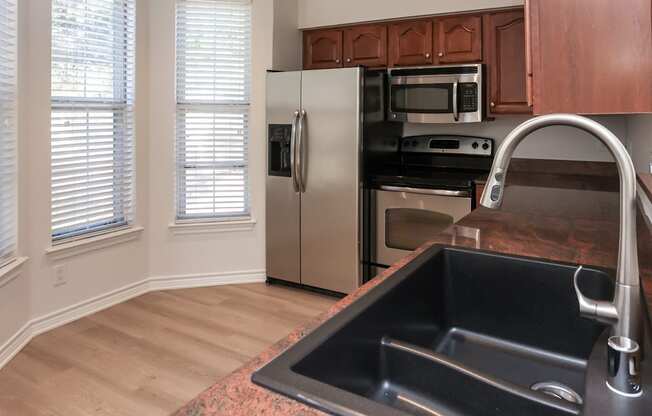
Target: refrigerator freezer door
x,y
283,208
330,162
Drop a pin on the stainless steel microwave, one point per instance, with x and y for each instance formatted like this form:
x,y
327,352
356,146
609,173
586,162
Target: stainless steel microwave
x,y
440,94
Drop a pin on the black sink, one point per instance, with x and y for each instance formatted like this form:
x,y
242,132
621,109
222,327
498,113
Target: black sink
x,y
455,332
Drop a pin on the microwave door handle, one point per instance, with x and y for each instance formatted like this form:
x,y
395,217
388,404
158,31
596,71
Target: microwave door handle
x,y
456,113
293,151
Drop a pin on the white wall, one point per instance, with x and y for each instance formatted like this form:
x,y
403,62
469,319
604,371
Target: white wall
x,y
316,13
639,132
287,36
93,273
561,143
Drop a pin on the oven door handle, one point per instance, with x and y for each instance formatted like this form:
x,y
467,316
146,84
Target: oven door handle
x,y
426,191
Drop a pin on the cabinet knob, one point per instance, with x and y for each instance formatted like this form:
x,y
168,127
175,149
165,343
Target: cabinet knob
x,y
337,61
348,59
427,55
492,104
440,54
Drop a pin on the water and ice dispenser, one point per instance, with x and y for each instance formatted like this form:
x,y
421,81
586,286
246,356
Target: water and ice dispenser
x,y
278,148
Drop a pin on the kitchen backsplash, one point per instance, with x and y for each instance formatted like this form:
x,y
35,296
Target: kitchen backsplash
x,y
562,143
639,133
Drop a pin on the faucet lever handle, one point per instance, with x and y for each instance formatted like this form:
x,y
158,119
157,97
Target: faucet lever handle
x,y
599,310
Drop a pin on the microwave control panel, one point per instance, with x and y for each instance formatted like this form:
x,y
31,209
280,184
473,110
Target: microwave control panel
x,y
468,97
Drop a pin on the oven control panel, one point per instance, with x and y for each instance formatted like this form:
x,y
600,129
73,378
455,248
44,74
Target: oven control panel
x,y
447,144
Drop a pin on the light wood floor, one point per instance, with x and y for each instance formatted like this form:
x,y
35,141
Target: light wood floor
x,y
152,354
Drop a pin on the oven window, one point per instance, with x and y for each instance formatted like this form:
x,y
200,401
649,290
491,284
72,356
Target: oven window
x,y
422,98
409,228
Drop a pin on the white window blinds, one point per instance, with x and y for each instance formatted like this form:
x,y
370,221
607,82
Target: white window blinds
x,y
7,131
92,115
213,83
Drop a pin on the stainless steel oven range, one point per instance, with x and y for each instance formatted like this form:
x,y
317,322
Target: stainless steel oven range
x,y
430,187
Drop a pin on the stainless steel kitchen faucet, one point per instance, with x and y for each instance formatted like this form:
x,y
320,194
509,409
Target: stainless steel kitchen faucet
x,y
624,312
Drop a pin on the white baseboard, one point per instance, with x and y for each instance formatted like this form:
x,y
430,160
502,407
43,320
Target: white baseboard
x,y
202,280
14,344
71,313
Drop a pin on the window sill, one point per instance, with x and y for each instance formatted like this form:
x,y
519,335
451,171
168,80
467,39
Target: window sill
x,y
11,270
84,245
214,227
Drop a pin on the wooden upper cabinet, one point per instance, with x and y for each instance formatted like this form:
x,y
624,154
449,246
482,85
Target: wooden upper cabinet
x,y
410,43
322,49
458,39
365,45
504,39
591,57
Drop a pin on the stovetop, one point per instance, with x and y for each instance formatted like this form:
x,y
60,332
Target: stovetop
x,y
433,161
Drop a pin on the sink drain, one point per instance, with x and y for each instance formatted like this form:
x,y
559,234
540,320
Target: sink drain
x,y
558,390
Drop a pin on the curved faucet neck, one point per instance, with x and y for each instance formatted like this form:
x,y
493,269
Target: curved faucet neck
x,y
624,311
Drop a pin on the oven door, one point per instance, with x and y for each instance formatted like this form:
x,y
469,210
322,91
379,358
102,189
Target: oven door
x,y
408,217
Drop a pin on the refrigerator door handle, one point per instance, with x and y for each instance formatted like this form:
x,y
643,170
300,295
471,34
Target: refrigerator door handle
x,y
293,151
300,152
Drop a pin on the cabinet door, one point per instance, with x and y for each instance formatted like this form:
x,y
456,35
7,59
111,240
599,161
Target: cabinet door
x,y
458,39
505,57
322,49
365,45
591,57
410,43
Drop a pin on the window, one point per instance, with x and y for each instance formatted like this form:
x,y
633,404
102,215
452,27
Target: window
x,y
213,83
7,131
92,115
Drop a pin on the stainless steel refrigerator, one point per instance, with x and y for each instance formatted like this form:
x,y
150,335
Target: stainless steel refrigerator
x,y
314,128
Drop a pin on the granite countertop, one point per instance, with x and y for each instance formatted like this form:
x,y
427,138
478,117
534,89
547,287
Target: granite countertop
x,y
544,215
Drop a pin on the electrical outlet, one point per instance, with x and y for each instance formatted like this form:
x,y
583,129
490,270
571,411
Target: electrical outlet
x,y
59,275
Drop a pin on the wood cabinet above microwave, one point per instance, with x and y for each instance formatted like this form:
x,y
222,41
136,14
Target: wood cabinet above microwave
x,y
458,39
410,43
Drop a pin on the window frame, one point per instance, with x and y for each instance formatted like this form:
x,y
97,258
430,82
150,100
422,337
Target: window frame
x,y
116,110
184,106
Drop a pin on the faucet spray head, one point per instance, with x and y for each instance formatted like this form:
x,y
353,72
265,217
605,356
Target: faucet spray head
x,y
492,197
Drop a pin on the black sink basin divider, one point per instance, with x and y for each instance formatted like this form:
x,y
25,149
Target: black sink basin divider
x,y
477,376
